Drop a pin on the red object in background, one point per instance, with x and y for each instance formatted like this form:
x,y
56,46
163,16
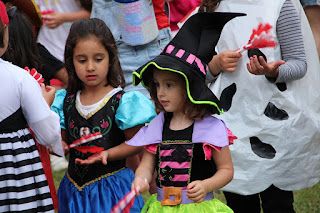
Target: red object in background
x,y
179,9
45,13
3,14
33,72
46,164
56,82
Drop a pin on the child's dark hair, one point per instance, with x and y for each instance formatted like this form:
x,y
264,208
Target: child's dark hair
x,y
1,34
209,5
86,4
83,29
22,47
193,111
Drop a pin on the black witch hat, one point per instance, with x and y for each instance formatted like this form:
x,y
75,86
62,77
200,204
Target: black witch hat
x,y
188,54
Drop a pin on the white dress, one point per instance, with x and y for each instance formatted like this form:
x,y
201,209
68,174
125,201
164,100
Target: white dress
x,y
23,185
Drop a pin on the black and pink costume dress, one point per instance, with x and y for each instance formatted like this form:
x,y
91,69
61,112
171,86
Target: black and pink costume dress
x,y
183,156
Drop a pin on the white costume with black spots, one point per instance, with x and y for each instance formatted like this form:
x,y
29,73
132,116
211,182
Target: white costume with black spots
x,y
277,124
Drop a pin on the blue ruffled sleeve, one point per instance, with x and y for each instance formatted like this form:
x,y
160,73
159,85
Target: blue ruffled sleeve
x,y
57,106
134,109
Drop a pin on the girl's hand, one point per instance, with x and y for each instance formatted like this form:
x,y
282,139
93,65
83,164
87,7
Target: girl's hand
x,y
97,157
196,191
64,147
267,69
142,182
53,20
226,61
48,93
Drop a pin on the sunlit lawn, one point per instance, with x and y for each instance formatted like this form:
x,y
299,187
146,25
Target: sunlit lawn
x,y
306,200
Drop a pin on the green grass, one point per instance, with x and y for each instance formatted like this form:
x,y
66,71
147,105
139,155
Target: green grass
x,y
57,177
305,200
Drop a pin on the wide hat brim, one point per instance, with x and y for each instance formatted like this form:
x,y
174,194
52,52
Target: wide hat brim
x,y
30,8
197,90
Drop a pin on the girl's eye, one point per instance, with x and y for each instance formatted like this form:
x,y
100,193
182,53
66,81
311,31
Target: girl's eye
x,y
156,84
82,61
99,59
169,85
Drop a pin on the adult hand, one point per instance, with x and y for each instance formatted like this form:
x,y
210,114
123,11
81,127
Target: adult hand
x,y
196,191
263,68
97,157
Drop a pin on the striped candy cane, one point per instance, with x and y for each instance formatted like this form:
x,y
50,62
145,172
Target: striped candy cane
x,y
260,38
125,204
84,149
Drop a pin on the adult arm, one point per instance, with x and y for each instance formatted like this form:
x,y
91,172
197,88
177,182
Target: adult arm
x,y
291,43
289,34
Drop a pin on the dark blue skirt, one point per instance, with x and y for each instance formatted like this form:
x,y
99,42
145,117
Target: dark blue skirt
x,y
99,196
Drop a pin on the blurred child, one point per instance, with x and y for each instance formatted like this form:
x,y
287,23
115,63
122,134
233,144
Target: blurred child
x,y
24,51
264,95
23,184
312,10
96,102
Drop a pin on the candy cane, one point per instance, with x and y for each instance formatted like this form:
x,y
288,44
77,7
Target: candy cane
x,y
260,38
125,204
33,72
86,139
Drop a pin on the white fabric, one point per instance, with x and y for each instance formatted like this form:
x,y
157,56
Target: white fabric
x,y
15,173
19,89
86,110
55,39
295,140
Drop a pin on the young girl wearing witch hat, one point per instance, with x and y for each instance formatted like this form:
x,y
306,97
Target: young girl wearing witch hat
x,y
186,145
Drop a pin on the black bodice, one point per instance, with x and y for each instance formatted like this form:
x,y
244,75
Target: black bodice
x,y
182,151
103,120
